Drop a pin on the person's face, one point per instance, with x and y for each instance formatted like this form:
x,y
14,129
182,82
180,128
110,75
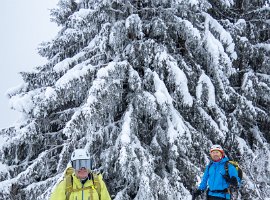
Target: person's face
x,y
82,173
216,155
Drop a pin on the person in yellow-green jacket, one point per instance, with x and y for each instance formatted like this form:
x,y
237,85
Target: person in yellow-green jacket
x,y
79,183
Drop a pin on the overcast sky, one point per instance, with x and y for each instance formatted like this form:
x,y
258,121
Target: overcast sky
x,y
24,24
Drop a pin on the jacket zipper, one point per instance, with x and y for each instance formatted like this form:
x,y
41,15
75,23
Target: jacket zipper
x,y
215,168
82,192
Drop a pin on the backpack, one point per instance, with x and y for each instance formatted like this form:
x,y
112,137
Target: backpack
x,y
96,177
236,165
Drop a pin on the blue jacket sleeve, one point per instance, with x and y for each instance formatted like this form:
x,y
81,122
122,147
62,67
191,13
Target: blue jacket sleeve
x,y
203,184
233,172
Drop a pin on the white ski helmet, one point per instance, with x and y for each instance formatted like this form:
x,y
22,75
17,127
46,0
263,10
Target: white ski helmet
x,y
217,147
80,154
80,158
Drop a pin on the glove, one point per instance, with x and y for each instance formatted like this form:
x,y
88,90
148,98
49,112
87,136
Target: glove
x,y
196,193
232,181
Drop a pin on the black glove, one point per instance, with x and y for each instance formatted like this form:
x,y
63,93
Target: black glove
x,y
196,193
232,181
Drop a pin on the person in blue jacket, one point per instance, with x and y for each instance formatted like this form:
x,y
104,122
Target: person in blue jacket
x,y
215,179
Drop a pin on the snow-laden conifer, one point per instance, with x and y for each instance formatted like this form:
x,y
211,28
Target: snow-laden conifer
x,y
146,87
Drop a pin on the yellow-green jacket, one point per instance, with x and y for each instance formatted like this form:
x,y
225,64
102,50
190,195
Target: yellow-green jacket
x,y
79,191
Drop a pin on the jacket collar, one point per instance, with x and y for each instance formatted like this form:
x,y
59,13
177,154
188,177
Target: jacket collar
x,y
223,160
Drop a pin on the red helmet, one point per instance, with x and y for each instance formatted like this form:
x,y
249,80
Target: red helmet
x,y
217,147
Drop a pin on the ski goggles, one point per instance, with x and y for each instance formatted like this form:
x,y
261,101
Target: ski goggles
x,y
82,163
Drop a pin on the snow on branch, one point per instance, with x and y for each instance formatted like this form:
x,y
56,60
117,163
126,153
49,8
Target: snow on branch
x,y
178,76
206,85
225,37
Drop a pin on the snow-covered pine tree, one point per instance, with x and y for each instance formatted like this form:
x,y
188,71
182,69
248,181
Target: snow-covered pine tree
x,y
146,87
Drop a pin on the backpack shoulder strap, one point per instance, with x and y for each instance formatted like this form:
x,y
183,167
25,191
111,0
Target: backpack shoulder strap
x,y
69,186
96,181
69,181
226,166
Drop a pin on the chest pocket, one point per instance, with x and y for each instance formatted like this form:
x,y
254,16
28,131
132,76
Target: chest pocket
x,y
86,193
216,170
